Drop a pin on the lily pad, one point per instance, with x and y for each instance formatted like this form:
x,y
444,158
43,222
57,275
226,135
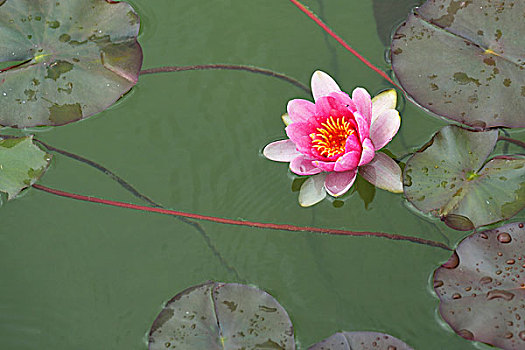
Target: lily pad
x,y
482,287
389,14
74,58
465,60
21,165
449,178
222,316
360,341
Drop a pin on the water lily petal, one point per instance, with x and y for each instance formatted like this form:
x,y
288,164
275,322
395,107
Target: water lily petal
x,y
383,101
363,126
325,106
337,184
353,143
281,151
300,110
324,166
348,161
368,152
385,127
345,100
362,100
312,190
303,166
286,119
383,172
322,85
299,133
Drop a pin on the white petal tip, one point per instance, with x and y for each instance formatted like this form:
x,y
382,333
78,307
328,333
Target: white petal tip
x,y
286,119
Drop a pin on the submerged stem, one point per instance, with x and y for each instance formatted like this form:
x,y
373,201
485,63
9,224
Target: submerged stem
x,y
281,227
250,69
128,187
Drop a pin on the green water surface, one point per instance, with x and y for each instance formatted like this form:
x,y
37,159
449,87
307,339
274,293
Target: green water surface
x,y
76,275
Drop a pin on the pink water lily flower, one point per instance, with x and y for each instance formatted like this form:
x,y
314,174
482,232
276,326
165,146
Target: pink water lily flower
x,y
336,137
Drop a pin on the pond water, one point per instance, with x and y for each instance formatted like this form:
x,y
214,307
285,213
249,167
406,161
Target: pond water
x,y
85,276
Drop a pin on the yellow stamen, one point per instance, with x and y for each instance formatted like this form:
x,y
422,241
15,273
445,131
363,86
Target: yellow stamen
x,y
330,139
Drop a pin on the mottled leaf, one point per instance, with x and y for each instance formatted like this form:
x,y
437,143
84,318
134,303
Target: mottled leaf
x,y
360,341
449,178
465,60
482,287
72,59
222,316
388,14
21,165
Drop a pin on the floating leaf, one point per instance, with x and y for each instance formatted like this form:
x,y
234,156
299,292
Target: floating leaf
x,y
448,177
21,165
222,316
360,341
482,287
71,59
465,60
388,14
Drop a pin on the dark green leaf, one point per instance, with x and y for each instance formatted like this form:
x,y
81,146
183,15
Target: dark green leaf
x,y
222,316
389,14
21,165
465,60
360,341
73,59
448,178
482,289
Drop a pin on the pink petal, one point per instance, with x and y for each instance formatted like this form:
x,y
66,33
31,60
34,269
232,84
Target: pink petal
x,y
383,172
332,106
348,161
281,151
353,143
300,110
383,101
385,127
325,105
363,127
368,152
345,100
337,184
312,190
322,85
363,102
303,166
299,133
324,166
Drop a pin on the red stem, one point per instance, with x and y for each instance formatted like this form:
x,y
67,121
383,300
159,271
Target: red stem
x,y
282,227
330,32
508,139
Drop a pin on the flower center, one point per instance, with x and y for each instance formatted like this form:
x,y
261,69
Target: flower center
x,y
331,138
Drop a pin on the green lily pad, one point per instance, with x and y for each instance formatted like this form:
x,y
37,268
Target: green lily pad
x,y
360,341
482,287
21,164
449,178
71,59
465,60
222,316
389,14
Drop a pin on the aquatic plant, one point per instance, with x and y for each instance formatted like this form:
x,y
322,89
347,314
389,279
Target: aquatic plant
x,y
60,66
336,137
